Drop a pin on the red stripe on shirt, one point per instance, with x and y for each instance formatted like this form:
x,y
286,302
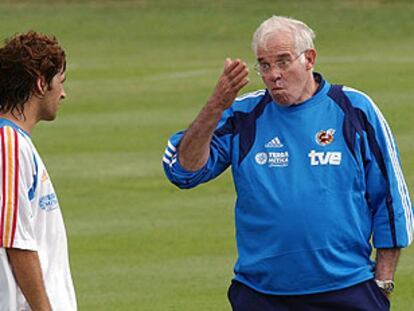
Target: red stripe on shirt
x,y
16,185
3,183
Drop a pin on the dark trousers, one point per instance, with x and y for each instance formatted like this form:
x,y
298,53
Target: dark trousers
x,y
365,296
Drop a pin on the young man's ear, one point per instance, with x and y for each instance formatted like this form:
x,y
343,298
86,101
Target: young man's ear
x,y
41,86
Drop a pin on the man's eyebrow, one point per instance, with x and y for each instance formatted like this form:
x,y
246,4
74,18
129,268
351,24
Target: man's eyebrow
x,y
283,55
279,56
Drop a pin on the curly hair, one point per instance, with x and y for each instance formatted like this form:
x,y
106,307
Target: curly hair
x,y
23,59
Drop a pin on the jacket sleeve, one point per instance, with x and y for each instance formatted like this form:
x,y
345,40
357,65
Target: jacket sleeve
x,y
218,161
386,189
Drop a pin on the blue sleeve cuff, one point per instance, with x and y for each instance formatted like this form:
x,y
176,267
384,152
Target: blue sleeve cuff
x,y
183,178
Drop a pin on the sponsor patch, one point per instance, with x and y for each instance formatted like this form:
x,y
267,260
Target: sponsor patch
x,y
48,202
278,159
273,159
325,158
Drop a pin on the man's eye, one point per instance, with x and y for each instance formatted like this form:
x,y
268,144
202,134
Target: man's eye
x,y
282,63
264,66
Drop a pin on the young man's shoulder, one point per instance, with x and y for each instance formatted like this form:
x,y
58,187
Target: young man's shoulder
x,y
14,140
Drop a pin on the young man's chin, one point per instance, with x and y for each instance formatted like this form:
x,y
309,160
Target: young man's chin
x,y
49,117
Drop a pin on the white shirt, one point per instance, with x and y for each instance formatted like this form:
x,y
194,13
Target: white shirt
x,y
30,219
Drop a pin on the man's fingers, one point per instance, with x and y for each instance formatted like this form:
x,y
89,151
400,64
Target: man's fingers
x,y
237,70
229,65
233,83
228,84
242,83
234,69
240,76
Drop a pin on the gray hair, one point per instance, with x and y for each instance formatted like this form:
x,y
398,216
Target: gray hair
x,y
301,33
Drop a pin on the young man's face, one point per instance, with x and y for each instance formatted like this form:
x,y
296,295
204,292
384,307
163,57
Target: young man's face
x,y
52,97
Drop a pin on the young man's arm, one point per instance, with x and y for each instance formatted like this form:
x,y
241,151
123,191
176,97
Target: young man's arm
x,y
28,274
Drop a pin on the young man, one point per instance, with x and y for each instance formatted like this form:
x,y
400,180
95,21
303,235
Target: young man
x,y
34,264
317,176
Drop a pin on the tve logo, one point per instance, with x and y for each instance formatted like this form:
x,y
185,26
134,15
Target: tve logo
x,y
325,158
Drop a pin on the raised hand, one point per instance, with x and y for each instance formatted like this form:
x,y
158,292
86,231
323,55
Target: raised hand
x,y
195,146
230,82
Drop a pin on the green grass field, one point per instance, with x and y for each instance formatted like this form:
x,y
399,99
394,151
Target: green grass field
x,y
141,70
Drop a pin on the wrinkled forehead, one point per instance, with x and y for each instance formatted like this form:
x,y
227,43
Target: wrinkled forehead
x,y
276,43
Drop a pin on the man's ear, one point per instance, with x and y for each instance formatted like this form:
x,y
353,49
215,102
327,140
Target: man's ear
x,y
41,86
310,58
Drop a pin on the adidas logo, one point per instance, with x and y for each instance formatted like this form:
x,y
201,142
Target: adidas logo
x,y
274,143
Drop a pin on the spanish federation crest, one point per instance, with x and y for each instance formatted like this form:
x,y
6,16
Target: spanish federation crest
x,y
324,138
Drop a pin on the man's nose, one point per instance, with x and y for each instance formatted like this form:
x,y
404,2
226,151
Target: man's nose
x,y
275,73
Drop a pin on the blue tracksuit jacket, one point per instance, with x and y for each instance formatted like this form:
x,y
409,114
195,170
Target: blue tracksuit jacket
x,y
316,184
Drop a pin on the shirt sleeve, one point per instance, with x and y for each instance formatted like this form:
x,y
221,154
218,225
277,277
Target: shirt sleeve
x,y
219,158
387,191
16,185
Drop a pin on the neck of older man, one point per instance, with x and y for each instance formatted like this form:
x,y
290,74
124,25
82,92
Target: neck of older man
x,y
310,88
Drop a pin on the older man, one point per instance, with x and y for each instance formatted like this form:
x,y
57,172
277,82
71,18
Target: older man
x,y
34,263
317,176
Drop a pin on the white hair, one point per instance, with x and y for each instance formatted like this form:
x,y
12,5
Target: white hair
x,y
303,35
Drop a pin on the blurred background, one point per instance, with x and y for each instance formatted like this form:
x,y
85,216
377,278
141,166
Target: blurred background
x,y
139,71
